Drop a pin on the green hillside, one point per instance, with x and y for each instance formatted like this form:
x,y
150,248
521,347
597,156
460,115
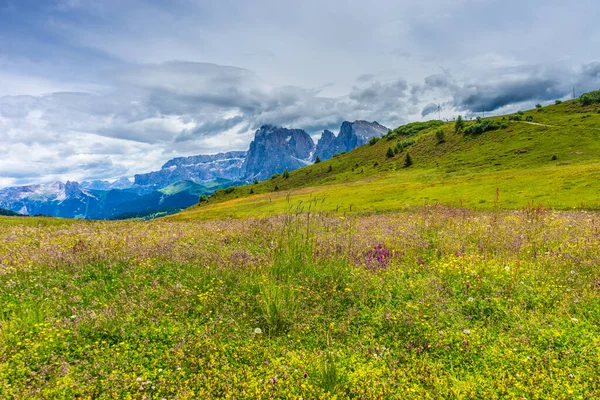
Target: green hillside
x,y
549,155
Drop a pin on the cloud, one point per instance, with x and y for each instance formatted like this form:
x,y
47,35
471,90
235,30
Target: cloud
x,y
105,89
510,86
429,109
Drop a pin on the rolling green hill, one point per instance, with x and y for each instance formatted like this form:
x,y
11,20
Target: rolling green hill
x,y
549,155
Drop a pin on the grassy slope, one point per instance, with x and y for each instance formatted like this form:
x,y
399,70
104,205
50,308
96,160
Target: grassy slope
x,y
464,170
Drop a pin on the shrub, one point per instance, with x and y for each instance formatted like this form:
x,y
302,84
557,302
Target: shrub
x,y
413,128
529,118
557,102
330,168
520,113
482,126
229,190
373,141
317,160
286,174
439,135
459,125
256,181
538,106
390,153
203,199
407,143
590,98
408,161
276,188
251,190
275,176
515,117
554,157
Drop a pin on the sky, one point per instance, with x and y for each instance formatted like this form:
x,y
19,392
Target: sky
x,y
103,89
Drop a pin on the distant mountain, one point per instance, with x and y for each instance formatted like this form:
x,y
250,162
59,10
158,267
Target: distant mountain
x,y
200,169
7,213
55,199
71,200
123,183
180,181
351,135
275,149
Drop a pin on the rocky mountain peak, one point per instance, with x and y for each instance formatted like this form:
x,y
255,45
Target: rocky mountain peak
x,y
351,135
275,149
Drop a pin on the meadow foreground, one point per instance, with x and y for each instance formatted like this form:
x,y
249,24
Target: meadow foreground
x,y
429,303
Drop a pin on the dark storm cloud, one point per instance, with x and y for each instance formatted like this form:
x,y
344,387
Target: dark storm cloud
x,y
491,97
429,109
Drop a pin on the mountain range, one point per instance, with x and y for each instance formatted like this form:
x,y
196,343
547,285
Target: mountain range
x,y
181,181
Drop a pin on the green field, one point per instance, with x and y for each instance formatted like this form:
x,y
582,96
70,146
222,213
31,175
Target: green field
x,y
556,164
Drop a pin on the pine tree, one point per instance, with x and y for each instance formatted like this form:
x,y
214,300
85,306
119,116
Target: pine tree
x,y
439,135
408,161
317,160
286,174
459,125
390,153
256,181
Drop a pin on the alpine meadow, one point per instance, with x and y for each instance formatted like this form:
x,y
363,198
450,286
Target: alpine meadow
x,y
313,200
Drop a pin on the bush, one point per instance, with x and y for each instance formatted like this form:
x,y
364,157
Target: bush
x,y
554,157
251,190
413,128
538,106
203,199
330,168
590,98
515,117
317,160
256,181
390,153
275,176
408,161
558,102
373,141
286,174
439,135
529,118
459,125
482,126
229,190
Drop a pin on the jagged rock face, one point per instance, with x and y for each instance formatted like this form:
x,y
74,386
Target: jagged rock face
x,y
326,146
352,135
275,149
198,169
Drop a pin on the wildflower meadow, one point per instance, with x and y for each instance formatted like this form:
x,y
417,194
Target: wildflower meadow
x,y
430,303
